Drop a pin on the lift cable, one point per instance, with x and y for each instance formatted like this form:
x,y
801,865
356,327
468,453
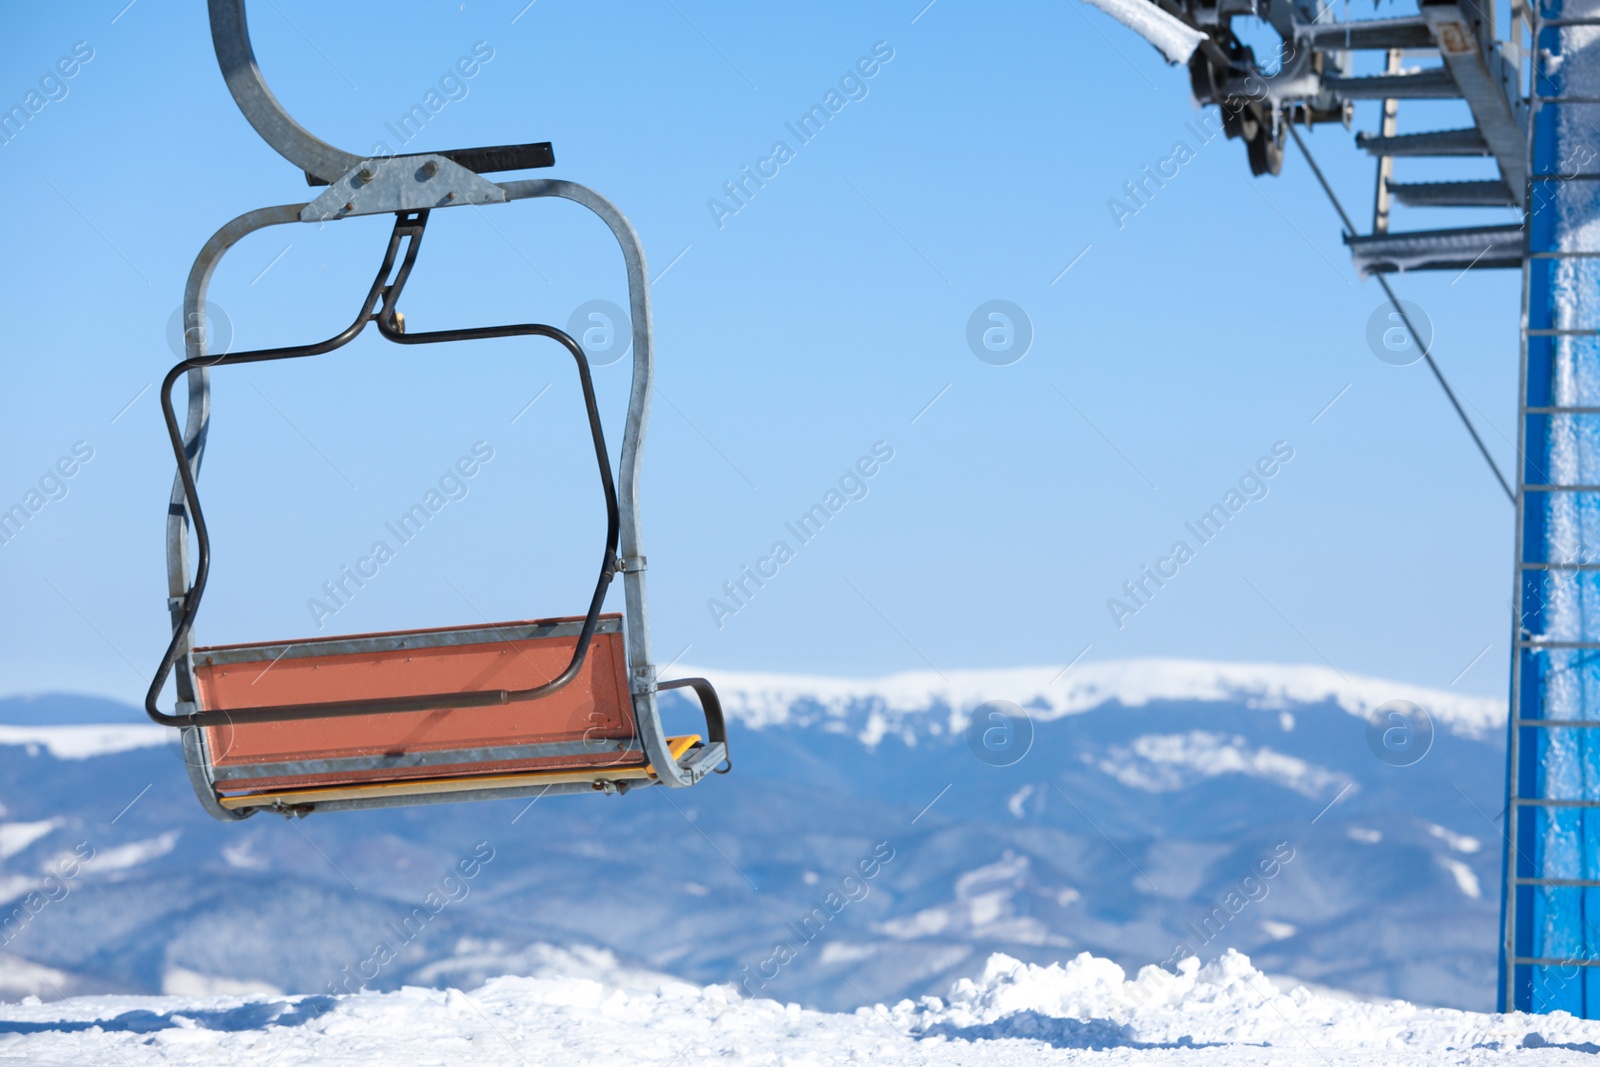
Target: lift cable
x,y
1406,319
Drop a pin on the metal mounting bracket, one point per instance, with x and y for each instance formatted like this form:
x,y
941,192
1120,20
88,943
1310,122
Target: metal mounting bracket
x,y
401,183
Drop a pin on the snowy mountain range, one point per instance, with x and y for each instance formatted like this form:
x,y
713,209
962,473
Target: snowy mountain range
x,y
876,840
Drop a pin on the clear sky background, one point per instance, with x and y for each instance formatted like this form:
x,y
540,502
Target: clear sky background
x,y
823,317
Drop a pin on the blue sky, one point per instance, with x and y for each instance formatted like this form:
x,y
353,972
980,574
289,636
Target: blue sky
x,y
827,316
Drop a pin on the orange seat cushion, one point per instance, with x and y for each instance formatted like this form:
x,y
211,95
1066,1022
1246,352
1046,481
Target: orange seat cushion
x,y
594,708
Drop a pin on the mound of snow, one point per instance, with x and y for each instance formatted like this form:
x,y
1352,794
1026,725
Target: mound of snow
x,y
894,704
1091,1003
1223,1013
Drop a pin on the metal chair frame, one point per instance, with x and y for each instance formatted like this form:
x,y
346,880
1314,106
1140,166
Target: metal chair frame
x,y
409,187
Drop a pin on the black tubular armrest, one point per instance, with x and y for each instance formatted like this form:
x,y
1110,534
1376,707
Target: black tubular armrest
x,y
711,705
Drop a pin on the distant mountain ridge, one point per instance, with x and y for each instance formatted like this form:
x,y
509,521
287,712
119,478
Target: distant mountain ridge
x,y
943,702
1149,790
763,699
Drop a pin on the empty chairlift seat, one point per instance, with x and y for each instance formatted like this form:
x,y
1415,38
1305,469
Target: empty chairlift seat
x,y
583,737
562,705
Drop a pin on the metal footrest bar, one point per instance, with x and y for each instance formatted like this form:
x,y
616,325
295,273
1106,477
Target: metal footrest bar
x,y
593,779
618,750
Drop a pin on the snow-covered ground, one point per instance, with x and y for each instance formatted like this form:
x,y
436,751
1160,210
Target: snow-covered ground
x,y
582,1008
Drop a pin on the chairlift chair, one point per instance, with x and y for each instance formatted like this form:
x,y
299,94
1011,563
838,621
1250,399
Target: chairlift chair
x,y
529,708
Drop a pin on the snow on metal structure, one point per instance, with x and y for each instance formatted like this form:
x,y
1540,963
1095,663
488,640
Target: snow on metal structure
x,y
1171,36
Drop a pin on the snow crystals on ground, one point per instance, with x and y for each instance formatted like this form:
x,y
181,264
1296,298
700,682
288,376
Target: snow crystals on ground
x,y
581,1007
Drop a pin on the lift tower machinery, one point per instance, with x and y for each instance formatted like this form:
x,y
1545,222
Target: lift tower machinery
x,y
1529,76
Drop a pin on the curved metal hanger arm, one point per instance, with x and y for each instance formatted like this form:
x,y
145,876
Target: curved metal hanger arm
x,y
231,37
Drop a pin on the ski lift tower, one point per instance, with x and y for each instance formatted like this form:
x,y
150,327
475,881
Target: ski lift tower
x,y
1530,79
1551,901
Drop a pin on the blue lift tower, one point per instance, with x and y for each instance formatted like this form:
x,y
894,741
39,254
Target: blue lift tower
x,y
1551,902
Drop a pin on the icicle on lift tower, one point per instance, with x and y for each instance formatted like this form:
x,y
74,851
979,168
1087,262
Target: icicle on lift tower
x,y
1534,101
562,705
